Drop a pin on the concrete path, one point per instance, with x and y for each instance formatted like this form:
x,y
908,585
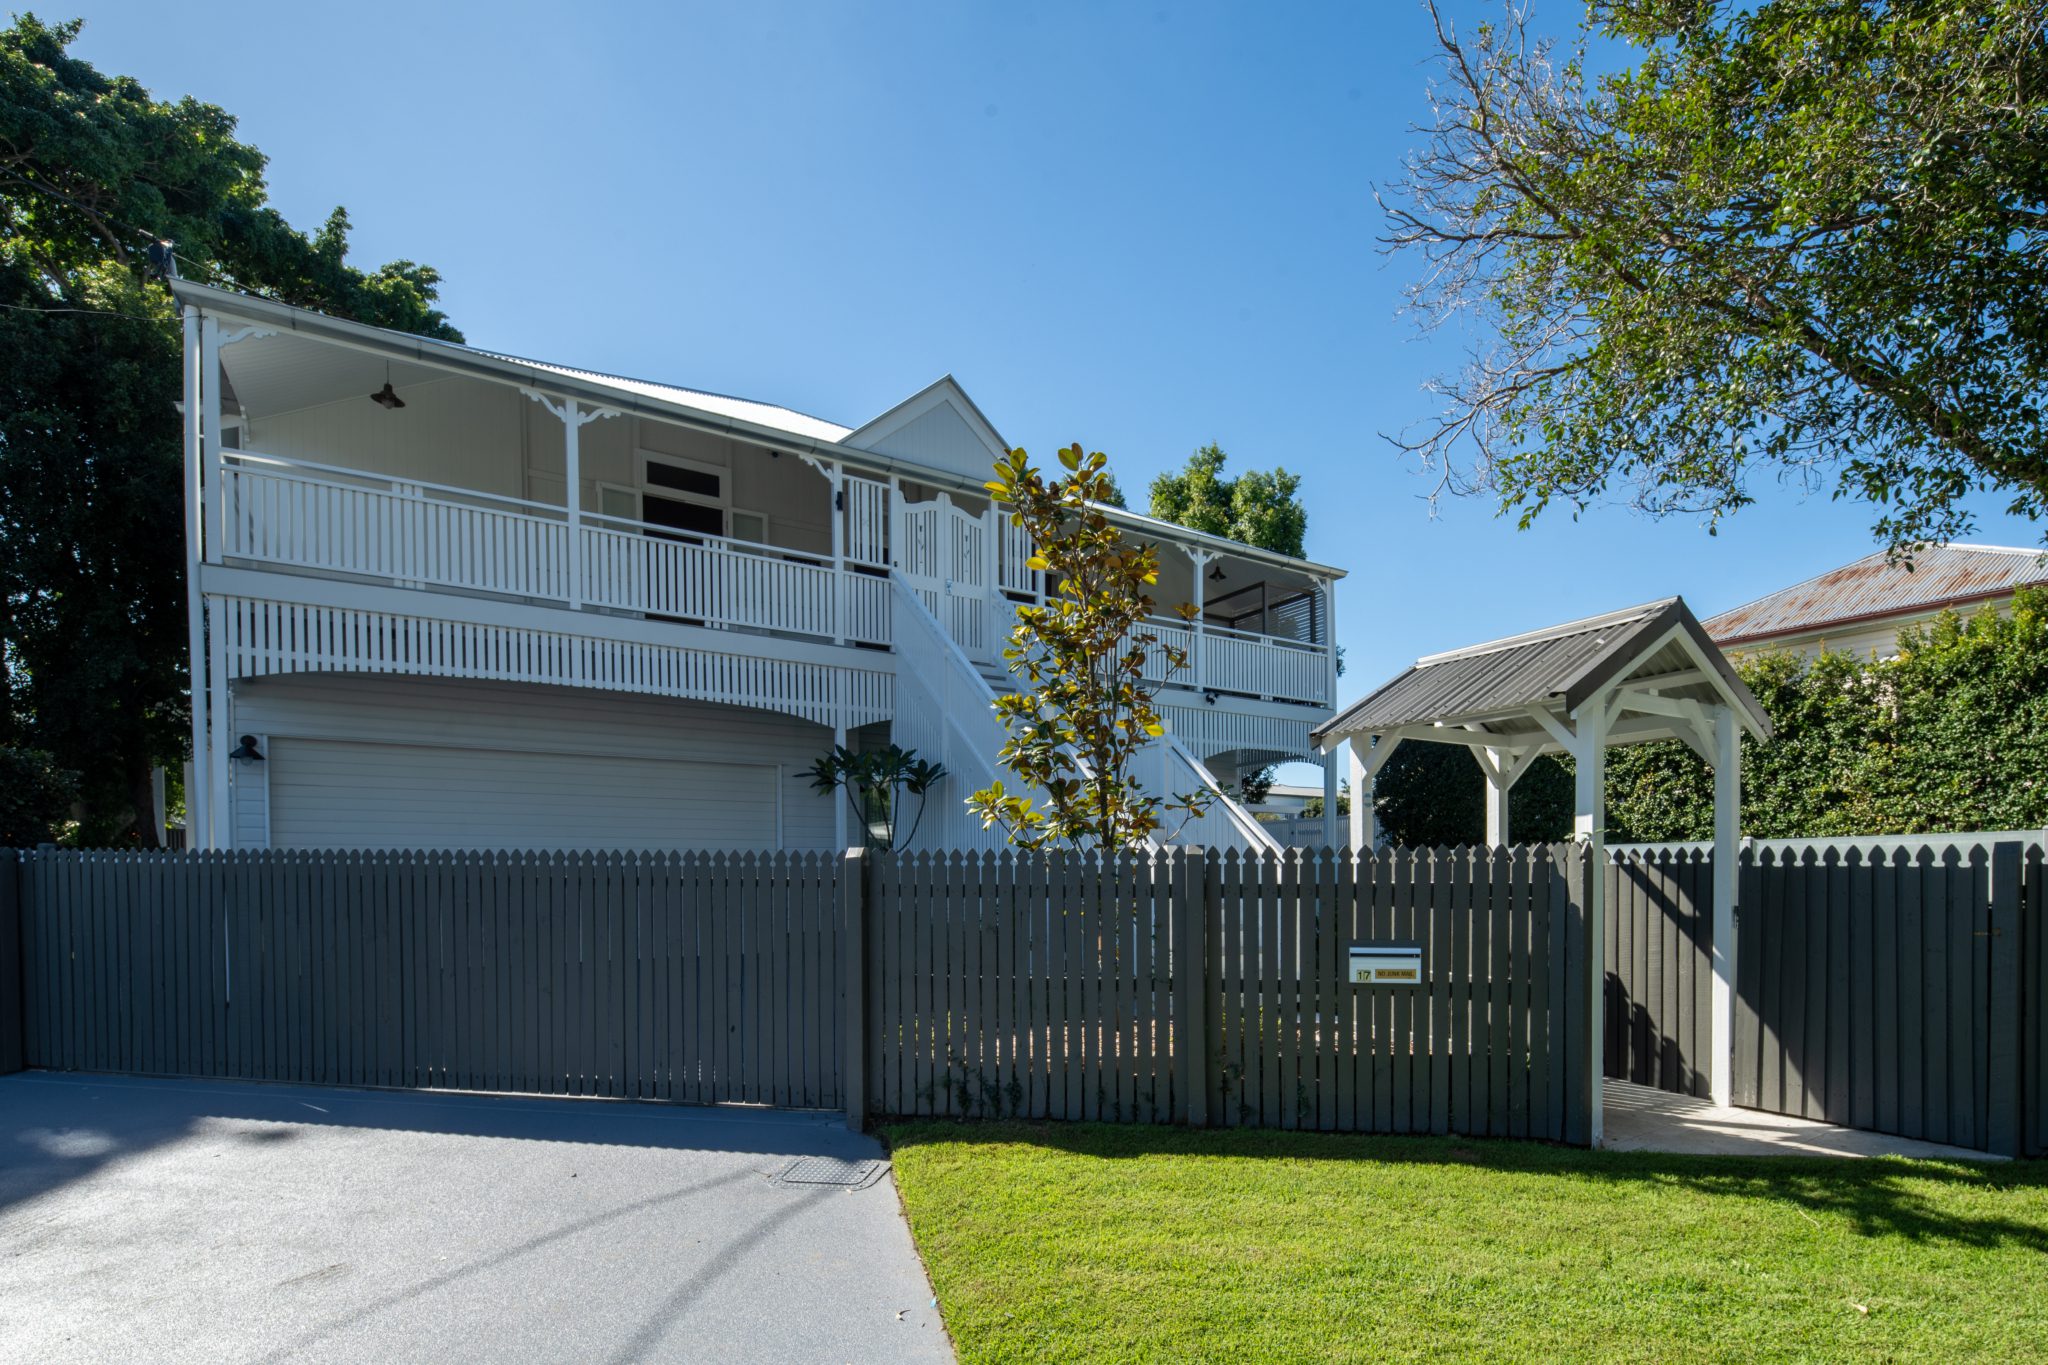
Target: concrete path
x,y
210,1221
1640,1119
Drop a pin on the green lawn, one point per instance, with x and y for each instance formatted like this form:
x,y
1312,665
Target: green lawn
x,y
1093,1242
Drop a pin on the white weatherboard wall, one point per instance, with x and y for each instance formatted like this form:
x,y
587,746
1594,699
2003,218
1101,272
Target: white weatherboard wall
x,y
371,761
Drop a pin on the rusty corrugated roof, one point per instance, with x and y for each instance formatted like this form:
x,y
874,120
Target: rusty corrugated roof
x,y
1870,588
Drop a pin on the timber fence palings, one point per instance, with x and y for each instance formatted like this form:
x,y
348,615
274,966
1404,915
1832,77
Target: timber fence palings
x,y
1169,976
664,976
1896,987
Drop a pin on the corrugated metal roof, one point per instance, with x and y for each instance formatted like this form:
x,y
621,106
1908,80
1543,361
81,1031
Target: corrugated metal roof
x,y
744,409
1568,662
1942,576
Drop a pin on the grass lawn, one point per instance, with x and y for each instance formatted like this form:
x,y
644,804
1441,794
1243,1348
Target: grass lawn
x,y
1105,1243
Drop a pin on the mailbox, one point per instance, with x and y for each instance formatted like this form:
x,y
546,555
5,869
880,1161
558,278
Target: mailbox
x,y
1386,964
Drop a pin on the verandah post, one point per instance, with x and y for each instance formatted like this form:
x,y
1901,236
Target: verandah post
x,y
853,977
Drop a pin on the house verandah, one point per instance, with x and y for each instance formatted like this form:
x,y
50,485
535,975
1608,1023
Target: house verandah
x,y
384,552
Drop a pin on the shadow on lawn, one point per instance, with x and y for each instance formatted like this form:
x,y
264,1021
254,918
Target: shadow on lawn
x,y
1880,1196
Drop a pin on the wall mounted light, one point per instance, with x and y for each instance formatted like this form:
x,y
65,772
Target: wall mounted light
x,y
245,751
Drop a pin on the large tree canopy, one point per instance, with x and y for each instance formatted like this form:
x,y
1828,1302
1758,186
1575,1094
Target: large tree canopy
x,y
1258,507
1799,239
92,172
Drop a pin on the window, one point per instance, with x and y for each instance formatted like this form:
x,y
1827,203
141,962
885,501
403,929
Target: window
x,y
702,483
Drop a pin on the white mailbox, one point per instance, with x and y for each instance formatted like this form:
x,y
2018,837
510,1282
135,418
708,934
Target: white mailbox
x,y
1385,964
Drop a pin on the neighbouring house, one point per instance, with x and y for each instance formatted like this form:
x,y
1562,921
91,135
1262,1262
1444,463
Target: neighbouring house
x,y
446,598
1860,608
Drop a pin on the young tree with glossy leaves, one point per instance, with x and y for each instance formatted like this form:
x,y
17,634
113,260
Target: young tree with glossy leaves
x,y
1085,711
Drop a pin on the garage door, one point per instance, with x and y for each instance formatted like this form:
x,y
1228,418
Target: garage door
x,y
338,794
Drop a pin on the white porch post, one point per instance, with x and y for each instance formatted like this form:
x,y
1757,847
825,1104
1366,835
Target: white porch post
x,y
1329,640
835,476
1497,766
214,539
1727,838
217,748
1589,825
572,464
1331,837
573,417
198,810
1200,559
1363,835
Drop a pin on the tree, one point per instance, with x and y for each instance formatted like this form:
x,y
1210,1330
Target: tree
x,y
875,783
35,797
95,176
1258,507
1312,809
1429,795
1798,239
1086,711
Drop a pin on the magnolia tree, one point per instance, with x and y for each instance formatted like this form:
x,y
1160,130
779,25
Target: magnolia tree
x,y
1085,711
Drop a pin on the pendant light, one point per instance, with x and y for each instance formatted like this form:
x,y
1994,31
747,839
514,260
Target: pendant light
x,y
387,397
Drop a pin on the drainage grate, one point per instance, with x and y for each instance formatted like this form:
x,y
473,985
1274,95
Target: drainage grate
x,y
830,1170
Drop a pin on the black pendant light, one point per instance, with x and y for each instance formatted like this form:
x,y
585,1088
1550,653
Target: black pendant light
x,y
1215,574
387,397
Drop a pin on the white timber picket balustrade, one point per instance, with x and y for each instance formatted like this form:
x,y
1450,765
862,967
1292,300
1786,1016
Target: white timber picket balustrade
x,y
409,534
1264,666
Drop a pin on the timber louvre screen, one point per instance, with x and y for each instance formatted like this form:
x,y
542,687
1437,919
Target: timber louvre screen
x,y
699,977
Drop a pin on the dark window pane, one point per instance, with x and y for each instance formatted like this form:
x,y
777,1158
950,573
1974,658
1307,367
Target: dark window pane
x,y
704,485
683,516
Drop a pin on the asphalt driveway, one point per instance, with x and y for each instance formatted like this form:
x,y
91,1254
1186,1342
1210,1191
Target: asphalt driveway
x,y
211,1221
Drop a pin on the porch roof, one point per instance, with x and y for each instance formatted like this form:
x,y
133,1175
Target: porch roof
x,y
761,423
1496,688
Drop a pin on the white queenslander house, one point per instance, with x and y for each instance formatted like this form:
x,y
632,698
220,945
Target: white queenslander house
x,y
443,598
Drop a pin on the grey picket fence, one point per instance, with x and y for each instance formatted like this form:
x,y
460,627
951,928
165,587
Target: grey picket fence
x,y
1902,988
1177,987
658,976
1897,989
1659,948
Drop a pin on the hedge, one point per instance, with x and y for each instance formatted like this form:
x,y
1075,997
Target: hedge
x,y
1951,734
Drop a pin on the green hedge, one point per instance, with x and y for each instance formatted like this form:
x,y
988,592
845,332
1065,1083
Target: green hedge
x,y
1950,735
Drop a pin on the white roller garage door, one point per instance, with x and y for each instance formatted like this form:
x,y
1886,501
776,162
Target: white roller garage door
x,y
339,794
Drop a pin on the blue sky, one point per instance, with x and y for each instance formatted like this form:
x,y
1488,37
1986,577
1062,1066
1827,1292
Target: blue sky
x,y
1139,227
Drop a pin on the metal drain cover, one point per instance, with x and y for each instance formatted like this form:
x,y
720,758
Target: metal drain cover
x,y
830,1170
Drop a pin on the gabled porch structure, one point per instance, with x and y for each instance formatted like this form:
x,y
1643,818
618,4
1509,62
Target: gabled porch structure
x,y
1627,677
